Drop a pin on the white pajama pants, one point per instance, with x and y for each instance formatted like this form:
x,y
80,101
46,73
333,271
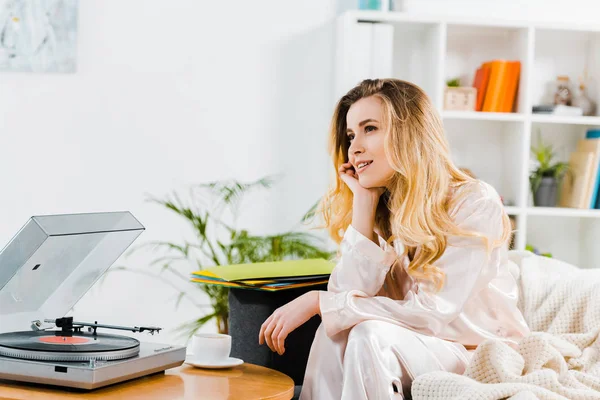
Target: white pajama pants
x,y
371,359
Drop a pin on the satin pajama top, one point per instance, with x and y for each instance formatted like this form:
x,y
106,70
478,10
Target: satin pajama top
x,y
478,300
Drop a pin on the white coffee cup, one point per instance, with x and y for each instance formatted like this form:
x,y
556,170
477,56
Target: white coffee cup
x,y
210,347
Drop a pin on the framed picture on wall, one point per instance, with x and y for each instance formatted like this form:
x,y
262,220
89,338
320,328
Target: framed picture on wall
x,y
38,35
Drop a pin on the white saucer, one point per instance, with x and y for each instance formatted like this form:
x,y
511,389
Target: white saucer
x,y
226,363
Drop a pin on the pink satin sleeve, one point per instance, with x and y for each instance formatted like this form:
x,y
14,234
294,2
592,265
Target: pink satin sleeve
x,y
363,265
360,274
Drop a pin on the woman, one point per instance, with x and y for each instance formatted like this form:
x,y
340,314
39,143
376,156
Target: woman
x,y
423,274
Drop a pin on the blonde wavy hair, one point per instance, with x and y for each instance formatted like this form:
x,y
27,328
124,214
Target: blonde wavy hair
x,y
416,207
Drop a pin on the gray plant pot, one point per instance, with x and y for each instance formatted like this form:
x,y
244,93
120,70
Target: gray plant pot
x,y
546,194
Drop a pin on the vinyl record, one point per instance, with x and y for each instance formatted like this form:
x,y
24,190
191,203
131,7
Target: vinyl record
x,y
50,345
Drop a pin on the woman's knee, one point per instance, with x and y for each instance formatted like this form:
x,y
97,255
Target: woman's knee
x,y
367,337
372,339
367,329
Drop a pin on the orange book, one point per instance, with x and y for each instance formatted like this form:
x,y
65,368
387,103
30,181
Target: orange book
x,y
480,82
493,95
511,86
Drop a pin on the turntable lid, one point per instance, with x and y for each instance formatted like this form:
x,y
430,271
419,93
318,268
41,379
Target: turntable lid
x,y
55,259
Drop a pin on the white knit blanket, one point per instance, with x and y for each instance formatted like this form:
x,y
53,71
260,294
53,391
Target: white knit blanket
x,y
560,359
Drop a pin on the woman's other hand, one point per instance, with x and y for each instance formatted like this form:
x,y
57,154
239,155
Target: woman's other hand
x,y
286,318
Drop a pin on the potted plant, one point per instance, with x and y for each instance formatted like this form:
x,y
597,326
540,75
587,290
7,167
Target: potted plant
x,y
546,177
211,211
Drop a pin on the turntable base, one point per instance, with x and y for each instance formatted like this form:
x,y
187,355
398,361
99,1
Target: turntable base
x,y
247,381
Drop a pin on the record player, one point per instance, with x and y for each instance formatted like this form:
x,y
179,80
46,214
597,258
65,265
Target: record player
x,y
44,270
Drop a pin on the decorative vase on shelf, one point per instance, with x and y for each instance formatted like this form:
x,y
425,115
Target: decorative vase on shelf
x,y
546,193
582,101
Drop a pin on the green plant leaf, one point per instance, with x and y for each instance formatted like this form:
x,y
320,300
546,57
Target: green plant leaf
x,y
289,245
311,213
453,82
187,329
545,155
230,192
179,298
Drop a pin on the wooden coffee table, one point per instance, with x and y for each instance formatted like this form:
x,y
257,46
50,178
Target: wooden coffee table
x,y
248,381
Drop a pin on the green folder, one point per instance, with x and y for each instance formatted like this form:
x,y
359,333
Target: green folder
x,y
273,270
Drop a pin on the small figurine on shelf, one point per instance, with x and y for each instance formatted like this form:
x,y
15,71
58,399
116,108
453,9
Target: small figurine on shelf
x,y
582,100
563,93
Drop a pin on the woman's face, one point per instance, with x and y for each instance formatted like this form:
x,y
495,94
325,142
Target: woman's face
x,y
365,130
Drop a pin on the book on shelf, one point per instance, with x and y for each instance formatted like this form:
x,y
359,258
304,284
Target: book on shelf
x,y
497,84
575,184
591,186
593,135
581,185
480,82
557,109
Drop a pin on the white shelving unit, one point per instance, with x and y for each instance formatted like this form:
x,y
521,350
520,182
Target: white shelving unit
x,y
429,49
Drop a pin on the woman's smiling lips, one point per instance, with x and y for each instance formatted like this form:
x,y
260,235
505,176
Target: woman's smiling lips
x,y
362,165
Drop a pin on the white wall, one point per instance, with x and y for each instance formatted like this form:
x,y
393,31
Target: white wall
x,y
169,94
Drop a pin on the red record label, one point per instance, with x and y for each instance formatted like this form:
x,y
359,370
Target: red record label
x,y
63,339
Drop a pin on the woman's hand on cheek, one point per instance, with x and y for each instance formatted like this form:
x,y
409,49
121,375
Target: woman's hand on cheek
x,y
350,177
362,194
286,319
364,202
